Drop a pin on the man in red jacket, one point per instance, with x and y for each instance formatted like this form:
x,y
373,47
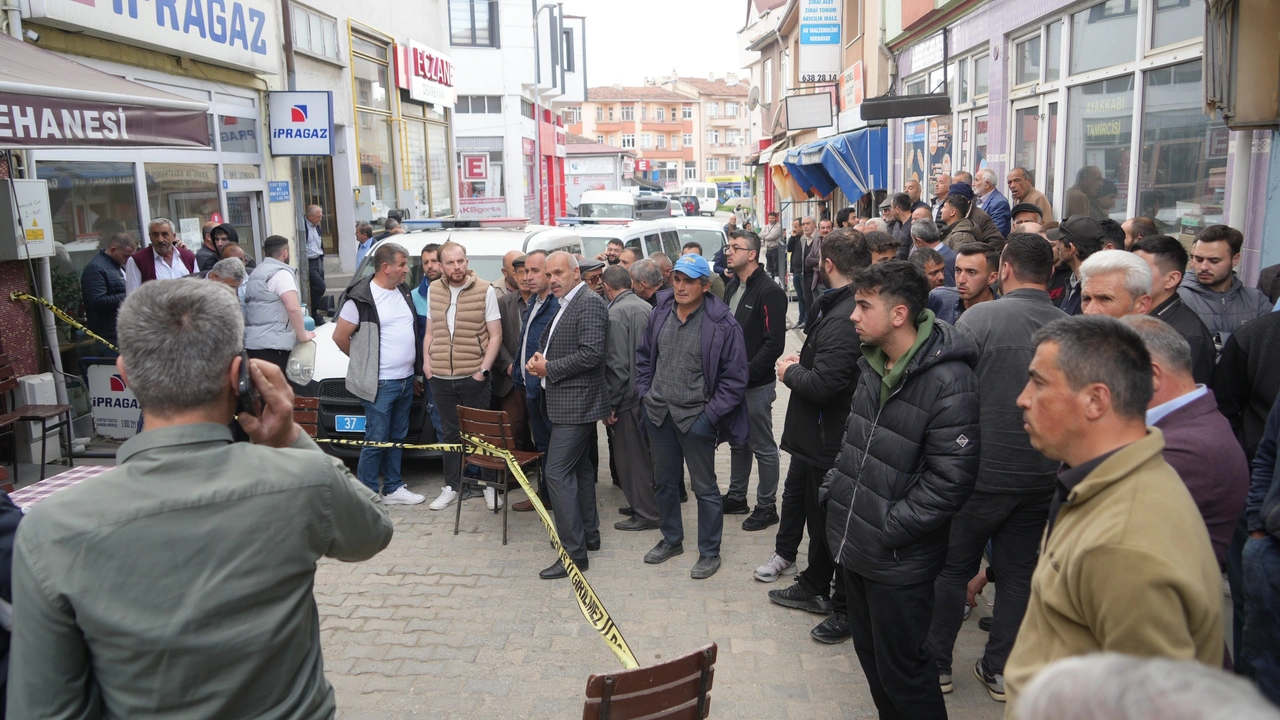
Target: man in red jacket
x,y
1198,441
161,260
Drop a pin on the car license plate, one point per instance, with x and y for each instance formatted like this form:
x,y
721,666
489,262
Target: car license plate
x,y
350,423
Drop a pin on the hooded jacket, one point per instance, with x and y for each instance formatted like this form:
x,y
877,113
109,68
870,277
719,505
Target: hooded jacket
x,y
1224,312
206,258
724,365
822,383
908,460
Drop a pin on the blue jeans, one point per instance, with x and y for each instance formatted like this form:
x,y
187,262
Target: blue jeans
x,y
1262,613
385,419
672,450
540,428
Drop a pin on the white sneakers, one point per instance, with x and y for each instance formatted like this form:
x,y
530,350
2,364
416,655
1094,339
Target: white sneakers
x,y
402,496
447,497
774,568
491,499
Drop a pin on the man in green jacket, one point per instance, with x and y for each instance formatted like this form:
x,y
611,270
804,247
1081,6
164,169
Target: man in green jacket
x,y
179,584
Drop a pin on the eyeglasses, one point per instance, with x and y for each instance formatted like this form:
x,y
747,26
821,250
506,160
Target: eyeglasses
x,y
739,248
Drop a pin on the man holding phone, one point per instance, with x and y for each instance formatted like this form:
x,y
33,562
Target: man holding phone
x,y
195,553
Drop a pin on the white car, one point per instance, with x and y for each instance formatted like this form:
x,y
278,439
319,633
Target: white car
x,y
706,232
319,368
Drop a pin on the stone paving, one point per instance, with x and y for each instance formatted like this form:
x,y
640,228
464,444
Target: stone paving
x,y
439,625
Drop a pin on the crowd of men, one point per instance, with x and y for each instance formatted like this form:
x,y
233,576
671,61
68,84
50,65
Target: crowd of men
x,y
1080,412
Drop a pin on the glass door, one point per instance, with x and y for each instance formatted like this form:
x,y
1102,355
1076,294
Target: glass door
x,y
1035,140
244,213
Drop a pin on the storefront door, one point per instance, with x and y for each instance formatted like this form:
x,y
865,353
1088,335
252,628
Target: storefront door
x,y
1034,135
244,213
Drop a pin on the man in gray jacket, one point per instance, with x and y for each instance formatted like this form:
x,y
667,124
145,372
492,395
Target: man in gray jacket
x,y
628,316
1212,288
273,321
1010,501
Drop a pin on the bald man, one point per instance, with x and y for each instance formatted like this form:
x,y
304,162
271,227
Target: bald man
x,y
315,259
511,283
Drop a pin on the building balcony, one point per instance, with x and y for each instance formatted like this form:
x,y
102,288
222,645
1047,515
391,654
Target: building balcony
x,y
662,154
724,149
609,126
724,121
667,127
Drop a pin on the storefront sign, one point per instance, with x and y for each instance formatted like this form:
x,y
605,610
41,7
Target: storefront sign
x,y
475,167
474,208
236,33
820,41
301,122
38,121
278,191
427,74
114,407
808,111
851,91
590,166
628,168
642,165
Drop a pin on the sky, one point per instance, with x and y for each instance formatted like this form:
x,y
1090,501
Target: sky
x,y
628,40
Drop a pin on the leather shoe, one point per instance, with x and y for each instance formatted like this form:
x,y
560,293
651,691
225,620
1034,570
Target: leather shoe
x,y
628,511
705,567
634,523
522,506
663,552
557,571
593,546
834,630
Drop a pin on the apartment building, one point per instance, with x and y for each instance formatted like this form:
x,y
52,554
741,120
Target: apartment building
x,y
660,126
725,139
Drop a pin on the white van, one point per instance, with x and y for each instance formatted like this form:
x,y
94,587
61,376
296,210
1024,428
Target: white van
x,y
707,193
647,237
607,204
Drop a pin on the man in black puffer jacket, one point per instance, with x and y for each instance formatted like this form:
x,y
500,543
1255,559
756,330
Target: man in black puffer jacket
x,y
907,465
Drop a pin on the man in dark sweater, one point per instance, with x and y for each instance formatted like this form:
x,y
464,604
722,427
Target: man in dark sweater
x,y
1168,259
760,307
1010,501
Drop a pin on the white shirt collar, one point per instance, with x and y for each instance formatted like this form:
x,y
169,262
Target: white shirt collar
x,y
1159,412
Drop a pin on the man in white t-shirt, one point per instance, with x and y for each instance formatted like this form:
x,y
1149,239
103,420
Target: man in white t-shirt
x,y
463,337
273,321
378,329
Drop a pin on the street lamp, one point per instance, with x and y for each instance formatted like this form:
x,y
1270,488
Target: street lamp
x,y
537,104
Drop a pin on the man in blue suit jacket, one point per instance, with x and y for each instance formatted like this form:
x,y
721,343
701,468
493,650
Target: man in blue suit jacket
x,y
990,199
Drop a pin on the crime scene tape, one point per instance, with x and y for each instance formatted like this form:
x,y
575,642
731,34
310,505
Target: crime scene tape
x,y
58,313
592,608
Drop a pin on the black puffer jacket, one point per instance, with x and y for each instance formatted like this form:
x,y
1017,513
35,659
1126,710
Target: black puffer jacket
x,y
822,383
906,468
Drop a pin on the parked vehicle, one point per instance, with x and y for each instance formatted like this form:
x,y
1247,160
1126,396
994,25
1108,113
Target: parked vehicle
x,y
690,203
646,236
708,195
706,232
616,204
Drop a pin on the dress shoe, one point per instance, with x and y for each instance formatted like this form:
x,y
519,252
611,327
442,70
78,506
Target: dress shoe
x,y
662,552
593,546
557,571
522,506
634,523
628,511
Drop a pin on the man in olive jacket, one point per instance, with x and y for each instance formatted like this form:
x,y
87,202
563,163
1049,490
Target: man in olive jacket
x,y
1126,564
907,465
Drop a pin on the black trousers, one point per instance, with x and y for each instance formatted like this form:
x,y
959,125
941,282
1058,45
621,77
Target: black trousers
x,y
315,267
279,358
889,624
1014,525
820,573
792,513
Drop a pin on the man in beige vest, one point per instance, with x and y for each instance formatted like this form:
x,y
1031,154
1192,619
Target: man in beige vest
x,y
463,337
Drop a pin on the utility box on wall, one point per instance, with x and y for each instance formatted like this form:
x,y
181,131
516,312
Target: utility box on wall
x,y
26,220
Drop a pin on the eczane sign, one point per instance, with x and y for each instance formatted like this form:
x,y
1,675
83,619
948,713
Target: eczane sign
x,y
426,73
236,33
301,122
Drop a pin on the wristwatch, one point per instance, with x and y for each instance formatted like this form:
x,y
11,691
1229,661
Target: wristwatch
x,y
485,372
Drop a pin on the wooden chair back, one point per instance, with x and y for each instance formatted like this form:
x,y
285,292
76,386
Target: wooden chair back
x,y
678,689
306,412
8,382
492,426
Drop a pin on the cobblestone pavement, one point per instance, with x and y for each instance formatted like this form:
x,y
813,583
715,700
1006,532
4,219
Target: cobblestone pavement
x,y
439,625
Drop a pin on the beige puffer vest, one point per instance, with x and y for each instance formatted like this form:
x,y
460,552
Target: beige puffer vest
x,y
461,353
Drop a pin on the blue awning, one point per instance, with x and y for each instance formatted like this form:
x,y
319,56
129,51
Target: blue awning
x,y
858,161
805,165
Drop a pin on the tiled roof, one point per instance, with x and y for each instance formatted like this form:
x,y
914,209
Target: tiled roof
x,y
717,87
609,92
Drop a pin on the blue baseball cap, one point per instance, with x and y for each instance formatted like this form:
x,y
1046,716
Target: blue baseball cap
x,y
694,266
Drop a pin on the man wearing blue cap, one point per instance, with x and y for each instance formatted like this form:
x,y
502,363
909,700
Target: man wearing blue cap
x,y
691,370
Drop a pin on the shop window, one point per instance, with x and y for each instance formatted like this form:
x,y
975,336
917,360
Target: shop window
x,y
371,83
315,187
1027,63
1053,51
377,164
478,198
1184,151
628,113
1026,129
473,22
438,170
962,70
1104,35
241,172
980,141
237,134
1099,137
185,193
1177,20
981,75
368,47
916,87
416,137
90,202
315,33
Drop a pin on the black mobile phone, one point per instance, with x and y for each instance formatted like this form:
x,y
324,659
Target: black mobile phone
x,y
250,400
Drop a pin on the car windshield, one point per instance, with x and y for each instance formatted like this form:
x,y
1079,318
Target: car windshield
x,y
486,268
593,246
605,210
710,240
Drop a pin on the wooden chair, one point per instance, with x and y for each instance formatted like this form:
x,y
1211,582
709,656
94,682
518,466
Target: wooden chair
x,y
306,412
678,689
493,427
30,413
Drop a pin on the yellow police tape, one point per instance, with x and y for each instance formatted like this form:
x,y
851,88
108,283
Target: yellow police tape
x,y
592,608
58,313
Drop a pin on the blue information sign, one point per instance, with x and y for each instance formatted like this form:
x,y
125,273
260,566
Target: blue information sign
x,y
278,190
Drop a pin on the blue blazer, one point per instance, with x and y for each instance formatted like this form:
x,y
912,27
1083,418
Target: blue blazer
x,y
533,327
998,208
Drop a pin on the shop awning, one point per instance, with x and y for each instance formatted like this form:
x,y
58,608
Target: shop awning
x,y
805,165
47,100
858,161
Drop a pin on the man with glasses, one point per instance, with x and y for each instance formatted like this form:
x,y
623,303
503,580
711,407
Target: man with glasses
x,y
760,307
161,260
